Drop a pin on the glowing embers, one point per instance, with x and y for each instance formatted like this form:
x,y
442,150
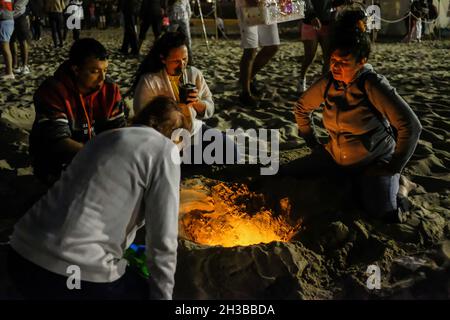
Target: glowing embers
x,y
214,213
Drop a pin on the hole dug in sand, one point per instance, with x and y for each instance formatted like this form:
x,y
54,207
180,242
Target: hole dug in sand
x,y
229,214
238,243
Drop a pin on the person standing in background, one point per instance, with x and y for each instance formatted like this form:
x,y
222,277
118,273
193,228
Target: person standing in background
x,y
73,11
6,31
252,61
55,9
37,13
22,35
92,18
129,9
151,15
100,9
315,30
179,12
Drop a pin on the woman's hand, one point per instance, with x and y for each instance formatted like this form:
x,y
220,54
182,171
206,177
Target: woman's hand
x,y
195,102
317,25
193,96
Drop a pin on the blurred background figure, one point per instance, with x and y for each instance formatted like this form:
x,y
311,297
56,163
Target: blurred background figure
x,y
55,9
314,31
129,9
100,9
36,16
6,30
92,17
179,13
421,11
20,35
220,24
151,14
73,11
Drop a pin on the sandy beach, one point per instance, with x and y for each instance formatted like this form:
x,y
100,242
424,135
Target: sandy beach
x,y
328,255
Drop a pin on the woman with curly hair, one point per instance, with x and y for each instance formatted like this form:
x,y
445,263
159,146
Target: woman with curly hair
x,y
372,131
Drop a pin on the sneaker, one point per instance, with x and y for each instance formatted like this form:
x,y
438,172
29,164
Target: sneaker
x,y
26,70
301,87
18,70
247,100
8,77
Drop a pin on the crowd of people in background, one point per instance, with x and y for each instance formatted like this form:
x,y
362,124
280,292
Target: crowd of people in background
x,y
28,17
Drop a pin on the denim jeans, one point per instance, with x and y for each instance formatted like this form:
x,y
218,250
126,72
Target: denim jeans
x,y
376,194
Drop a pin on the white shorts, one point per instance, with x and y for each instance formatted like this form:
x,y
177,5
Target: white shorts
x,y
262,35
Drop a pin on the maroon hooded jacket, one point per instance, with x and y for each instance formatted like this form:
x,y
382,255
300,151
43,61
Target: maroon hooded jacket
x,y
62,112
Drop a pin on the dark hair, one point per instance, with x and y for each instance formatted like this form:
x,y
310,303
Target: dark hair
x,y
349,35
161,47
86,48
158,114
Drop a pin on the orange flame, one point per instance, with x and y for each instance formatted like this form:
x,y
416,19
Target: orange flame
x,y
233,216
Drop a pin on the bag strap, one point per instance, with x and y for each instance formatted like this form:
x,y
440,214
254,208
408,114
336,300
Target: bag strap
x,y
327,88
361,84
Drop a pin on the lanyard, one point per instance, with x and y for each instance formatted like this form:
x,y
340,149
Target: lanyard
x,y
87,117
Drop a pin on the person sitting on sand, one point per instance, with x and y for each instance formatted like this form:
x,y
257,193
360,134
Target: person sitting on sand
x,y
72,106
162,73
372,131
120,180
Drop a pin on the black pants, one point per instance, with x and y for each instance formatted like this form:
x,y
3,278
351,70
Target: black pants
x,y
155,21
36,27
56,24
36,283
75,34
129,36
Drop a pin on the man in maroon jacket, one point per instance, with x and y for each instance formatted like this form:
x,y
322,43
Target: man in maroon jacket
x,y
72,106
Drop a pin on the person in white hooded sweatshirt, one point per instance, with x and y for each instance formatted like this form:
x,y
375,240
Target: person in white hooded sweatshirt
x,y
120,180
